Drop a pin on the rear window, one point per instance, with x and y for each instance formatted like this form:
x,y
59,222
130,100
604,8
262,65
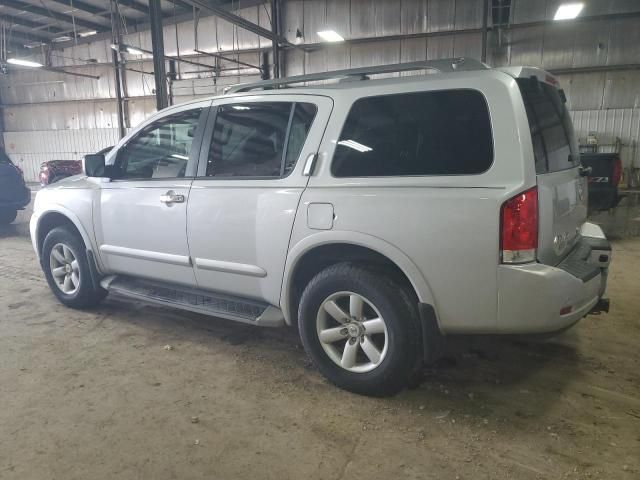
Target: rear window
x,y
427,133
554,145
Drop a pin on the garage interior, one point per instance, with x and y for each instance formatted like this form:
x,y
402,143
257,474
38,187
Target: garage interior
x,y
134,391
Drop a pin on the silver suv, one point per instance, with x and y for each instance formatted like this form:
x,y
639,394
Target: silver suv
x,y
376,215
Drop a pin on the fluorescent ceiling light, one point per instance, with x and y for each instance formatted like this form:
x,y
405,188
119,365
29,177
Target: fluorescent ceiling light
x,y
355,145
87,34
567,11
179,157
241,107
134,51
62,38
23,63
330,36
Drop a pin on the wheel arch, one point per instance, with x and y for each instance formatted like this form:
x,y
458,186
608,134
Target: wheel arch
x,y
318,251
57,217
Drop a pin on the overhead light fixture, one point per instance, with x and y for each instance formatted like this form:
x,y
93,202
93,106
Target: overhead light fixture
x,y
34,44
24,63
88,33
62,38
330,36
567,11
121,47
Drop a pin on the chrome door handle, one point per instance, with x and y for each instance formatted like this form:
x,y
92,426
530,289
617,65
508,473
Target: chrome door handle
x,y
170,197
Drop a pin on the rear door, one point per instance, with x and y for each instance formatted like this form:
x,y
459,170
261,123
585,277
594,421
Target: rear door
x,y
250,178
562,191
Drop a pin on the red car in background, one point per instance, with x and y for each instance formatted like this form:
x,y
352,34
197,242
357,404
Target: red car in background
x,y
54,170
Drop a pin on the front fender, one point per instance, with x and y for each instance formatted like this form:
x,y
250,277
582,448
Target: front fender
x,y
38,217
402,261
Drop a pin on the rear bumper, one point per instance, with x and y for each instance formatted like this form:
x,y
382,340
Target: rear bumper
x,y
532,296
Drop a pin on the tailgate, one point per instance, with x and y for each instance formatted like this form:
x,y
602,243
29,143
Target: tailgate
x,y
562,211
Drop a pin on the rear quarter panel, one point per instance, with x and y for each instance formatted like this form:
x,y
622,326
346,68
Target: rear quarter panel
x,y
447,226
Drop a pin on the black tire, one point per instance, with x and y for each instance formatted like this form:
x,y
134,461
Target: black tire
x,y
395,305
7,215
86,295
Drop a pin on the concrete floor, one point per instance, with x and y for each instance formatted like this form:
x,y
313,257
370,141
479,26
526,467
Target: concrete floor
x,y
95,395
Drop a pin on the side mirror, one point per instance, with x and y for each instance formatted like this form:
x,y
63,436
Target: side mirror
x,y
93,165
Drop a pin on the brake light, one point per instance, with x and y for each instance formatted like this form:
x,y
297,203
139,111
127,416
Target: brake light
x,y
519,227
617,172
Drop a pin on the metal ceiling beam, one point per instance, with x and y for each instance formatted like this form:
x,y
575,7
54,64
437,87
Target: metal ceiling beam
x,y
26,7
133,5
23,22
85,7
180,3
220,11
20,38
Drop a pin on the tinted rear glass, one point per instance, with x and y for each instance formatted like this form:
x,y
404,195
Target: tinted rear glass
x,y
425,133
554,145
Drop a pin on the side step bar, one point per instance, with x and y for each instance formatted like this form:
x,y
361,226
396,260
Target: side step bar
x,y
200,301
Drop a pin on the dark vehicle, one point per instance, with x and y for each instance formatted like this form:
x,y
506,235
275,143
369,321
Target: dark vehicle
x,y
14,194
54,170
604,177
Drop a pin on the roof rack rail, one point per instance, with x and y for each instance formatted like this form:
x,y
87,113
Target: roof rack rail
x,y
442,65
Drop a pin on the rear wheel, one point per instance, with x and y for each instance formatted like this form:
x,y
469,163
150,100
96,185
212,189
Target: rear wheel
x,y
65,264
361,329
7,215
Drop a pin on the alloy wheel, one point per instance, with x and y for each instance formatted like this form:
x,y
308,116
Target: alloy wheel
x,y
64,268
352,332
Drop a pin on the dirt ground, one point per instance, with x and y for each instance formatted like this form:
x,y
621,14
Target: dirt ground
x,y
96,395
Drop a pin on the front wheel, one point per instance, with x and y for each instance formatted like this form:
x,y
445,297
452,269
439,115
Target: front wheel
x,y
361,329
7,215
65,265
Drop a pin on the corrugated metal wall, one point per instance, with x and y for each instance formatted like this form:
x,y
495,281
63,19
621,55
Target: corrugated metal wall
x,y
49,115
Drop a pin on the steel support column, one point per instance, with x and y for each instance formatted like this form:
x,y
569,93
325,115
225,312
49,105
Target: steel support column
x,y
485,23
117,68
275,28
157,47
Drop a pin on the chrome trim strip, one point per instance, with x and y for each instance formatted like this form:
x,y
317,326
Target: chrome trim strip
x,y
146,255
230,267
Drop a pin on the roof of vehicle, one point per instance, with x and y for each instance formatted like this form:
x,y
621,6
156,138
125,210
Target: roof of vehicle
x,y
357,78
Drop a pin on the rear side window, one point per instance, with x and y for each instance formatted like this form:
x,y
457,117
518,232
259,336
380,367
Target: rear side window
x,y
426,133
554,145
261,140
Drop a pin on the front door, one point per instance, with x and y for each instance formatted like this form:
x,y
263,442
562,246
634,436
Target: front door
x,y
250,178
142,213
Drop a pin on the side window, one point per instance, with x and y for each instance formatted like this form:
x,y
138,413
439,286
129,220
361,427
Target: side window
x,y
161,150
425,133
303,116
250,139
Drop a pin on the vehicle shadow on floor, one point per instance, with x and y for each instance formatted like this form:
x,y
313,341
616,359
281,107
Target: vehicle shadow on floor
x,y
528,372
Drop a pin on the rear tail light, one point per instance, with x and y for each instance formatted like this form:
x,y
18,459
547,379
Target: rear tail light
x,y
519,227
617,172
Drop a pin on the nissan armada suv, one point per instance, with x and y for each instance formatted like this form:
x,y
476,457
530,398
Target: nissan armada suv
x,y
376,215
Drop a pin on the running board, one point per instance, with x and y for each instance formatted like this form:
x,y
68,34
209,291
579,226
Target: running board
x,y
200,301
